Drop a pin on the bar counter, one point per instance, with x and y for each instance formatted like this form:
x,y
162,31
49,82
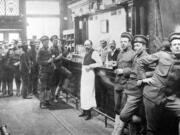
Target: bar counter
x,y
104,92
105,96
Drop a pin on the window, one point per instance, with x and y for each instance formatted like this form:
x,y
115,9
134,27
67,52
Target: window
x,y
1,37
42,26
42,8
9,7
13,36
43,18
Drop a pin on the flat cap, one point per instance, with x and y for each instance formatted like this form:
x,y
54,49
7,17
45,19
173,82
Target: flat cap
x,y
103,41
174,35
43,38
32,43
127,35
140,39
54,37
112,42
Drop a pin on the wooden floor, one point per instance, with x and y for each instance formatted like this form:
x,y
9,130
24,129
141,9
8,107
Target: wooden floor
x,y
24,117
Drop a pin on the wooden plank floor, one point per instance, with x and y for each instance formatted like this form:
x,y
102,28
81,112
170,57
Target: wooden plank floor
x,y
24,117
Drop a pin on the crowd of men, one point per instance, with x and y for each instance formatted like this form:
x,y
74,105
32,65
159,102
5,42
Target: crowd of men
x,y
144,84
36,71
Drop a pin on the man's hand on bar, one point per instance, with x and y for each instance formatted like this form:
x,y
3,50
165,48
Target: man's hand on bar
x,y
118,71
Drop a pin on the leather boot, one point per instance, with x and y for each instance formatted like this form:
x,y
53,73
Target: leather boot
x,y
88,117
66,84
83,114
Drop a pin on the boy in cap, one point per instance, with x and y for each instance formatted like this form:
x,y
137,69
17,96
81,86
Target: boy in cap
x,y
44,60
162,89
124,60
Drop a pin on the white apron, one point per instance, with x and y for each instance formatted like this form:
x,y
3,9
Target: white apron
x,y
87,90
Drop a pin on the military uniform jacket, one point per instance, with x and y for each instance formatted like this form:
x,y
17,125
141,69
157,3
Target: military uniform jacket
x,y
43,56
125,60
55,50
24,63
166,75
134,75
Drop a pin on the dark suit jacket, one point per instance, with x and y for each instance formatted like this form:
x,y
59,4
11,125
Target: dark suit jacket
x,y
114,56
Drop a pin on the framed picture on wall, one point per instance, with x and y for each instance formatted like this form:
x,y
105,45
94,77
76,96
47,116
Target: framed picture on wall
x,y
104,25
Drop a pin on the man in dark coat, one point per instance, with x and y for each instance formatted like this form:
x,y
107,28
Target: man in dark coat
x,y
113,54
25,71
34,68
16,61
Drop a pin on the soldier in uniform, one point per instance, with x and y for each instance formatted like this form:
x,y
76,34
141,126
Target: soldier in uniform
x,y
33,77
1,63
44,59
16,61
162,89
132,91
8,73
25,71
124,60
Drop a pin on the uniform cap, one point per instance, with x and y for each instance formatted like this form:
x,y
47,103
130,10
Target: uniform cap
x,y
173,36
140,39
54,37
43,38
127,35
32,43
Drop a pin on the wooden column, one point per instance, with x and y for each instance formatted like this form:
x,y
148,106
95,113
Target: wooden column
x,y
63,13
22,11
154,25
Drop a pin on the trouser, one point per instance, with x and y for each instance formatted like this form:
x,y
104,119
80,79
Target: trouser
x,y
45,86
7,82
25,85
120,100
55,81
153,113
33,86
131,107
17,76
64,79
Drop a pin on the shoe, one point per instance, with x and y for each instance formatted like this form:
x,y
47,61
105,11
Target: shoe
x,y
55,100
87,118
43,106
83,114
88,115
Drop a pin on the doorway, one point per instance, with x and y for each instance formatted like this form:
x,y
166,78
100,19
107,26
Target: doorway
x,y
9,36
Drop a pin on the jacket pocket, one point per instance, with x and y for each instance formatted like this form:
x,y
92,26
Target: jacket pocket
x,y
163,69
